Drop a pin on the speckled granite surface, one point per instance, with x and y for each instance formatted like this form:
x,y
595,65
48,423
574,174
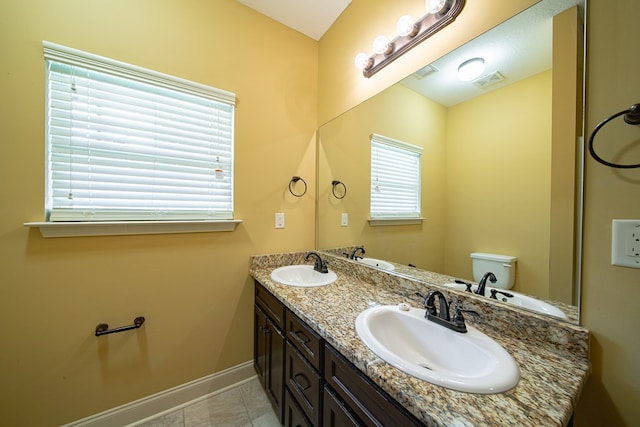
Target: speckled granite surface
x,y
552,355
441,279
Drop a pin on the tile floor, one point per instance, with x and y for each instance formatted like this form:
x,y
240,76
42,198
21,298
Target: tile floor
x,y
245,405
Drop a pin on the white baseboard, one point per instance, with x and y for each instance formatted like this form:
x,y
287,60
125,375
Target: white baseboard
x,y
171,399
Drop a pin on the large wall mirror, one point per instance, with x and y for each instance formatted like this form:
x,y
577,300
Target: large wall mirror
x,y
501,161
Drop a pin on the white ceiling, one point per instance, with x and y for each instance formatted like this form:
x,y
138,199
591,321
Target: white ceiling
x,y
518,48
310,17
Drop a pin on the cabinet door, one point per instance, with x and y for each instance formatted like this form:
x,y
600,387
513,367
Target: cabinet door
x,y
260,344
274,384
269,358
335,414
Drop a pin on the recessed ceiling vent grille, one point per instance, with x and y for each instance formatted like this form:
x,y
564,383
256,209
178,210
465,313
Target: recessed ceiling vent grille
x,y
488,80
425,71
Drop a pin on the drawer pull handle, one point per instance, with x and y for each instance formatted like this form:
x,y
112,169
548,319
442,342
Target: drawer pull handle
x,y
300,340
302,384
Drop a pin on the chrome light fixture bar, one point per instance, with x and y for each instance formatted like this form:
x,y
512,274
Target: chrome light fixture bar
x,y
423,28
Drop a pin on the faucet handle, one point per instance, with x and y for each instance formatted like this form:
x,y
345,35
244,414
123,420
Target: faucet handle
x,y
495,291
462,282
458,318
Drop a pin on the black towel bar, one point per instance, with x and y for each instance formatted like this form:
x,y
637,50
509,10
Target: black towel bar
x,y
103,328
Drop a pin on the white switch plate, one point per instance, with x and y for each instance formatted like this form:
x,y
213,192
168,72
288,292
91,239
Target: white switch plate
x,y
625,242
344,220
279,219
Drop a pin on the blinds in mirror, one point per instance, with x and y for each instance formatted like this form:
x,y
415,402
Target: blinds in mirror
x,y
395,178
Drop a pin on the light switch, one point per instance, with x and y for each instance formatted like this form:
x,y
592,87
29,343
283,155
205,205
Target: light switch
x,y
279,219
625,242
344,221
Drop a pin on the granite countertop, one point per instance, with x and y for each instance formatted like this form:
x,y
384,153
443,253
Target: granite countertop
x,y
552,355
570,311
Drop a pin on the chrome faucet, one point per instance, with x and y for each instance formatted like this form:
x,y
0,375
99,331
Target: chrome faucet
x,y
354,252
441,316
483,282
319,265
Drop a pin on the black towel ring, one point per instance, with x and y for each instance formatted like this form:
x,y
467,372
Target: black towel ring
x,y
334,184
293,181
632,117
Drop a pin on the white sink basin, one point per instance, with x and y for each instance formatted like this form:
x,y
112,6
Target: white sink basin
x,y
378,263
302,275
518,300
470,362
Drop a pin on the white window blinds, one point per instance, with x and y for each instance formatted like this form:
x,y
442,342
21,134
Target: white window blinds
x,y
126,143
395,178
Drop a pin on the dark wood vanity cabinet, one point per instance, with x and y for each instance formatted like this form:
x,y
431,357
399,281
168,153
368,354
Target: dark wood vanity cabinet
x,y
268,346
310,383
363,401
303,367
335,412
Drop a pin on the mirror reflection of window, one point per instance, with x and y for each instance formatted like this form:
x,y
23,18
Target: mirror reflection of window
x,y
395,178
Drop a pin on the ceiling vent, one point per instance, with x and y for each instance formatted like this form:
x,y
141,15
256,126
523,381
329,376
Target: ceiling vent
x,y
488,80
425,71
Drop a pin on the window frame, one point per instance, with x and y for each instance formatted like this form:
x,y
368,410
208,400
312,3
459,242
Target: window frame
x,y
64,228
409,151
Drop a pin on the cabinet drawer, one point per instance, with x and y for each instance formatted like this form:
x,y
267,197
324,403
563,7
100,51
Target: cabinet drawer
x,y
270,304
335,413
305,340
293,415
365,399
304,384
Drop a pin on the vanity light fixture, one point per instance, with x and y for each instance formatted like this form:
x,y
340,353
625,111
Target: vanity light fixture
x,y
471,69
406,27
440,13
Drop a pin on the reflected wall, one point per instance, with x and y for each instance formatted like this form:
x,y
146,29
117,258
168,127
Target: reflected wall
x,y
499,174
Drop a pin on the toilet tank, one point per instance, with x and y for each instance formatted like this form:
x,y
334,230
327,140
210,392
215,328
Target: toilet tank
x,y
503,266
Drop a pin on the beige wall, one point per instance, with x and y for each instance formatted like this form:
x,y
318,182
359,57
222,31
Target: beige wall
x,y
345,155
193,289
342,85
468,204
498,181
611,294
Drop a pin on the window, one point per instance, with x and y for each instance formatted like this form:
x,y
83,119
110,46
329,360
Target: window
x,y
130,144
395,179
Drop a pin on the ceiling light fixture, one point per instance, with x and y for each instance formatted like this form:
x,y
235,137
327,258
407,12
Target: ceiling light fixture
x,y
440,13
471,69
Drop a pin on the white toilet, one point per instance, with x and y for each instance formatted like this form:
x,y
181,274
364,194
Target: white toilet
x,y
503,266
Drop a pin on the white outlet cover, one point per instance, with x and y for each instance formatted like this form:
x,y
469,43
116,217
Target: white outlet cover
x,y
625,236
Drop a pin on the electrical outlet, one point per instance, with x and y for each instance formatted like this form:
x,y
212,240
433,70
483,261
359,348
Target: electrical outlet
x,y
344,220
279,219
625,242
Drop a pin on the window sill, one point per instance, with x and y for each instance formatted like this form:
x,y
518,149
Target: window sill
x,y
376,222
125,228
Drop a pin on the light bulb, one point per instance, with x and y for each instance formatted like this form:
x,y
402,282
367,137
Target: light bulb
x,y
434,6
380,44
471,69
405,26
361,60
